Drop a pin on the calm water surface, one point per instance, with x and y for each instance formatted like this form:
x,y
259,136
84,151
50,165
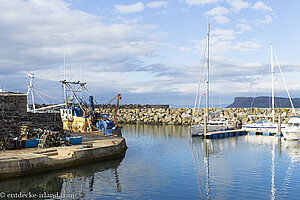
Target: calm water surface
x,y
163,162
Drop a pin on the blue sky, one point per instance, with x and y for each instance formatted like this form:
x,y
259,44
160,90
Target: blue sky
x,y
150,51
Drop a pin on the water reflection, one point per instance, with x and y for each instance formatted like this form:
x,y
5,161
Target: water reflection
x,y
161,131
293,149
77,181
200,152
206,152
164,162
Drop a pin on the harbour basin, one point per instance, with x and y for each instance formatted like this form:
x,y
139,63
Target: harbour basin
x,y
164,162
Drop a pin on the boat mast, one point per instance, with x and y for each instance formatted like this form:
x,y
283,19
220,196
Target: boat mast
x,y
272,72
207,80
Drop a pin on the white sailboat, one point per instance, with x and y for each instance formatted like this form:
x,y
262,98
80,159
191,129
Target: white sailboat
x,y
265,125
213,124
292,130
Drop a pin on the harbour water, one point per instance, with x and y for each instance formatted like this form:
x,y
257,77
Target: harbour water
x,y
164,162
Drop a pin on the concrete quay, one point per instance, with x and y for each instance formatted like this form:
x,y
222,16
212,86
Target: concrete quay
x,y
14,163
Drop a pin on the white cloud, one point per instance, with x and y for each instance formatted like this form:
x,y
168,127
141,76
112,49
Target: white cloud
x,y
157,4
163,12
222,34
217,11
238,5
201,2
37,36
243,28
130,21
221,19
247,46
261,6
267,20
115,56
127,9
257,22
224,41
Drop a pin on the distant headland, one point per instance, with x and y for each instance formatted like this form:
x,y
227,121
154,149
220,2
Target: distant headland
x,y
263,102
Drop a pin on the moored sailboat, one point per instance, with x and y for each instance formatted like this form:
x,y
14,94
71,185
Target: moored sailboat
x,y
292,130
198,128
264,125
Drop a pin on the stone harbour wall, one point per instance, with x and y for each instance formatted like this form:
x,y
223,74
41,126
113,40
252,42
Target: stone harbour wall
x,y
183,116
12,110
47,121
15,121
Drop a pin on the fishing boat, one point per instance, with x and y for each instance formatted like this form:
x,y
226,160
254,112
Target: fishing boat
x,y
77,114
209,125
264,125
292,130
81,116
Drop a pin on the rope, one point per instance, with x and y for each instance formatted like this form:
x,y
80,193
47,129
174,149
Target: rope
x,y
256,88
293,109
199,82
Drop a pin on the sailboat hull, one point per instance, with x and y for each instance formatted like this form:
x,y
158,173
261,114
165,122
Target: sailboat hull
x,y
291,135
292,131
198,130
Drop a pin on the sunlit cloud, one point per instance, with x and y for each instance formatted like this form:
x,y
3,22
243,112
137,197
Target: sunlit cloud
x,y
221,19
127,9
238,5
217,11
201,2
157,4
261,6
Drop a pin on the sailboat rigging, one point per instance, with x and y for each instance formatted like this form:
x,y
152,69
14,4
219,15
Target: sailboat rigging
x,y
265,124
196,127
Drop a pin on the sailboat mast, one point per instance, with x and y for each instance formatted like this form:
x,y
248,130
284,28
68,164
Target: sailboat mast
x,y
207,81
272,72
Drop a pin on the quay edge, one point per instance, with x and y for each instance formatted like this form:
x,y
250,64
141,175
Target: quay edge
x,y
27,162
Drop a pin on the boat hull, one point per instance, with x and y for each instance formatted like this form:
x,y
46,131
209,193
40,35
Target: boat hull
x,y
267,128
197,130
263,127
291,133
